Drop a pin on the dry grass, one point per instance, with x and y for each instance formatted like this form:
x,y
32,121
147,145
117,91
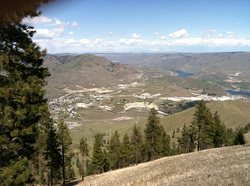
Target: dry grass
x,y
223,166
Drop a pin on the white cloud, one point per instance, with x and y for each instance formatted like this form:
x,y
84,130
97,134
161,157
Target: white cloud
x,y
179,34
208,33
157,33
110,34
58,44
135,36
75,24
164,37
71,33
132,42
37,20
48,33
229,32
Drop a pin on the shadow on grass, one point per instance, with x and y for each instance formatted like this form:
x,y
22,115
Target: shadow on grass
x,y
73,182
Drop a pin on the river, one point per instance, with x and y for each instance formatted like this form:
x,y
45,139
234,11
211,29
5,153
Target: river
x,y
238,93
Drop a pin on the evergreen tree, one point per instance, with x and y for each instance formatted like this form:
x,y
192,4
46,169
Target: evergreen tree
x,y
65,141
204,125
52,153
126,151
220,130
115,150
239,138
106,161
97,157
153,139
84,150
229,137
187,139
137,141
22,100
165,143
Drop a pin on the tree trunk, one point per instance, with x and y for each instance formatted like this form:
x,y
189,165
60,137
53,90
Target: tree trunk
x,y
63,164
40,170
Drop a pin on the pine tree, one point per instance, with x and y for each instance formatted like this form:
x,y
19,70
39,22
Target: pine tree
x,y
239,138
220,130
186,141
84,150
204,125
97,157
65,141
153,139
106,161
126,151
165,143
115,150
137,141
52,153
22,97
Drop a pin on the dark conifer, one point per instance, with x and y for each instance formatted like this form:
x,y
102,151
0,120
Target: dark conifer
x,y
126,151
220,131
22,100
65,141
84,150
153,141
137,141
115,150
204,125
239,138
97,157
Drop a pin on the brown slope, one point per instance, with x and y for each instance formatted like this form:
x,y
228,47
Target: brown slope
x,y
233,113
221,166
90,71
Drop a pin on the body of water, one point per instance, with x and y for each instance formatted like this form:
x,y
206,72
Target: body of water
x,y
182,74
238,93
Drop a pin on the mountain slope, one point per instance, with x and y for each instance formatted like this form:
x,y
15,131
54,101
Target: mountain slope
x,y
222,166
88,71
233,113
219,65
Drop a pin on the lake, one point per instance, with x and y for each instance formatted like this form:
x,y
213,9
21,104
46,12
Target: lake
x,y
238,93
182,74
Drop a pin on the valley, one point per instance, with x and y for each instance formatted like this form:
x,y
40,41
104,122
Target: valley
x,y
90,107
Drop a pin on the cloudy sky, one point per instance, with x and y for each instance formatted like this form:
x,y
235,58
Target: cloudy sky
x,y
81,26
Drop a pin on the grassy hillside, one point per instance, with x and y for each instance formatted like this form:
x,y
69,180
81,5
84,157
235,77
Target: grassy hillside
x,y
222,166
88,71
233,113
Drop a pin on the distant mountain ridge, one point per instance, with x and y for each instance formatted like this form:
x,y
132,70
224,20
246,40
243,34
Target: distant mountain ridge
x,y
205,65
88,71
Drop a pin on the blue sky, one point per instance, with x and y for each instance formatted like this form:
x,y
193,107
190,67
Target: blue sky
x,y
85,26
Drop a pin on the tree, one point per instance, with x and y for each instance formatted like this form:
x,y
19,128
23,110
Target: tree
x,y
97,157
239,138
84,150
52,153
126,151
165,143
220,131
153,139
136,141
114,150
187,139
22,97
204,125
65,141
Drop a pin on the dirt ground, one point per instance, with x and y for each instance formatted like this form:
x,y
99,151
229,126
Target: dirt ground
x,y
222,166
